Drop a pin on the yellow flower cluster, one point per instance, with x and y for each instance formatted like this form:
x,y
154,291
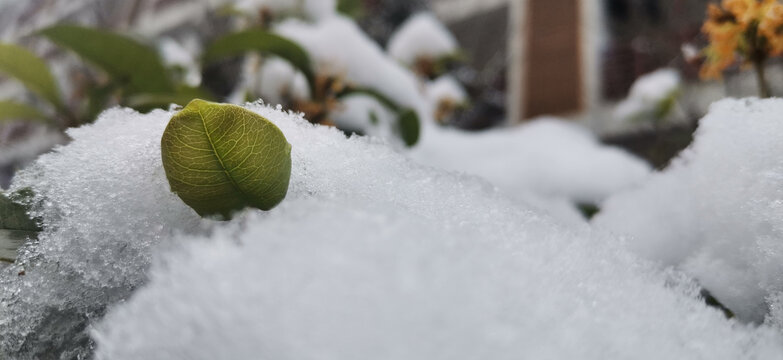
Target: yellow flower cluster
x,y
749,28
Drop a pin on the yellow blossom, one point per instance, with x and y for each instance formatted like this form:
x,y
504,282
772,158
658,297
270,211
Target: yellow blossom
x,y
744,11
771,27
724,34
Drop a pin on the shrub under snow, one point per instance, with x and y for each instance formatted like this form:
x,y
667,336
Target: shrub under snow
x,y
421,36
339,48
369,256
717,211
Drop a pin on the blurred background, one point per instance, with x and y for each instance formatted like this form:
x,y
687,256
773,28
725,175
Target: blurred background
x,y
517,60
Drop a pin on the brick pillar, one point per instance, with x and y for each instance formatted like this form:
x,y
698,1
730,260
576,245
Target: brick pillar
x,y
553,79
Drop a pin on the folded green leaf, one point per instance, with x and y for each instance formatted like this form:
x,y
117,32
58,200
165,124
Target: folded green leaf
x,y
409,127
10,110
266,42
408,124
16,227
21,64
220,158
126,60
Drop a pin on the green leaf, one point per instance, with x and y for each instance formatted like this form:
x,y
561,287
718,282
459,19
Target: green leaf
x,y
21,64
409,127
220,158
266,42
16,227
126,60
10,110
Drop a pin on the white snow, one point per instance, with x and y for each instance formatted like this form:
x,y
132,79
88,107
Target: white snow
x,y
421,36
272,79
446,87
377,279
549,157
369,256
717,211
339,48
646,96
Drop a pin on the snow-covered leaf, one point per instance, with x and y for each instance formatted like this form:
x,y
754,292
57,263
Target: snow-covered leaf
x,y
408,123
220,158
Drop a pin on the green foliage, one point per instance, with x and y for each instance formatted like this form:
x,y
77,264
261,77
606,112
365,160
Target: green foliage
x,y
351,8
265,42
10,110
129,62
220,158
16,227
21,64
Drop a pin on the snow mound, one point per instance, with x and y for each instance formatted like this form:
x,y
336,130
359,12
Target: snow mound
x,y
549,157
421,36
104,201
463,285
717,211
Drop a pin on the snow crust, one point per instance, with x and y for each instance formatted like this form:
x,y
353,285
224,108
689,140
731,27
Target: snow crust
x,y
547,156
421,36
717,212
369,256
